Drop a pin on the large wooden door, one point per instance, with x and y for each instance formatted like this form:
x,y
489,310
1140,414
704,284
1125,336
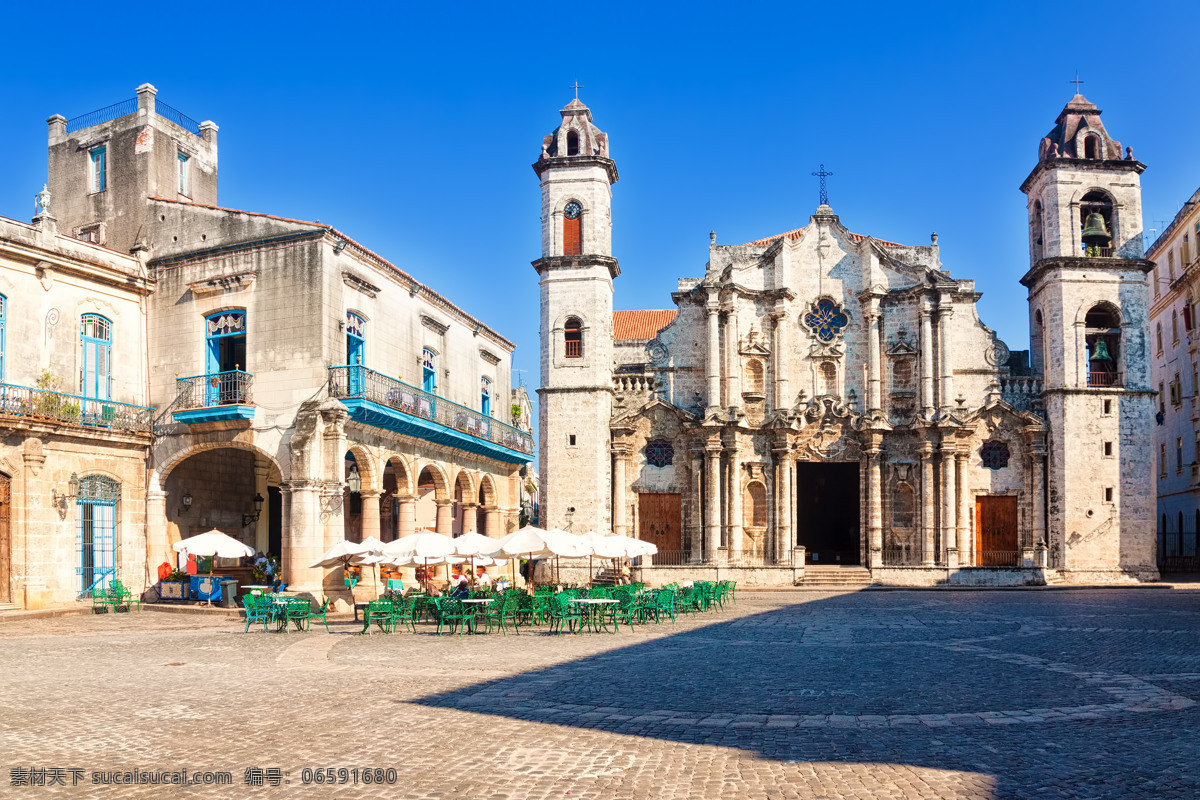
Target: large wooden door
x,y
660,521
5,540
996,539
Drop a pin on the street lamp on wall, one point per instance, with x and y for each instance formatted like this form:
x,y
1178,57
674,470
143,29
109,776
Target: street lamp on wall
x,y
354,480
60,500
247,519
185,503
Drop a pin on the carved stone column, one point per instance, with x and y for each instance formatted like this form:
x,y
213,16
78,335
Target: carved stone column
x,y
874,502
158,542
714,352
370,513
695,534
38,516
303,536
781,355
1037,459
949,507
493,528
408,517
966,551
928,518
444,523
470,512
781,488
333,471
620,457
874,396
712,510
945,349
733,538
733,367
928,403
262,526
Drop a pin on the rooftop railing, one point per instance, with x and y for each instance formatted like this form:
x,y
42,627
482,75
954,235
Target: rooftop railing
x,y
30,403
232,388
178,117
130,106
355,381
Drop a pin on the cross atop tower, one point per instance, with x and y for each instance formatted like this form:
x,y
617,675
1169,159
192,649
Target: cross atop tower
x,y
1076,82
822,174
576,86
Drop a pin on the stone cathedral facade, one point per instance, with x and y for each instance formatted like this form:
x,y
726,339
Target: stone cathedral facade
x,y
823,398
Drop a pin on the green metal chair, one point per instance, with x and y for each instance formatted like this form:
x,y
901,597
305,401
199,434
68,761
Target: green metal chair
x,y
622,611
256,611
378,612
664,605
320,614
565,613
456,613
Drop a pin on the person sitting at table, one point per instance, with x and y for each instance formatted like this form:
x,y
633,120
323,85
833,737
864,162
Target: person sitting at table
x,y
482,579
462,590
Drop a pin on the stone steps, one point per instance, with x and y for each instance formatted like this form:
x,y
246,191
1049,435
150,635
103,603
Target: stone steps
x,y
836,576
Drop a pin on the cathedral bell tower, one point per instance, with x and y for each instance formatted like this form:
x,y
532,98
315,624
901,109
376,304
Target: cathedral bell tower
x,y
576,273
1089,307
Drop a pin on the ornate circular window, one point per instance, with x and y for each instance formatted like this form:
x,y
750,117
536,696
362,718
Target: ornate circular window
x,y
659,453
826,320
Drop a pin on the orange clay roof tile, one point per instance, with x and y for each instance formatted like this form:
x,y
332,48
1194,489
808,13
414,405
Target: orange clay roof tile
x,y
642,324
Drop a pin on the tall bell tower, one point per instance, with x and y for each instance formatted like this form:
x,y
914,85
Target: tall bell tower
x,y
576,273
1089,311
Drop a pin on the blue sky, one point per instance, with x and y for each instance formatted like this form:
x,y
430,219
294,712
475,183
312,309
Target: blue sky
x,y
413,128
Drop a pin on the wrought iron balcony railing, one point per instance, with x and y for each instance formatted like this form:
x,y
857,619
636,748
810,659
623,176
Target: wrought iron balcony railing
x,y
24,401
233,388
355,381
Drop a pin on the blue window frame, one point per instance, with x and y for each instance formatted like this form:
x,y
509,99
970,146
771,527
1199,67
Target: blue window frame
x,y
356,338
485,397
97,179
225,335
3,319
429,370
96,532
95,376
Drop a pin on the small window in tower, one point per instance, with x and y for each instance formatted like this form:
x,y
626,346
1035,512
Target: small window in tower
x,y
573,229
1108,450
183,162
97,178
573,338
1108,494
1107,408
572,143
1091,147
1102,334
1096,231
571,440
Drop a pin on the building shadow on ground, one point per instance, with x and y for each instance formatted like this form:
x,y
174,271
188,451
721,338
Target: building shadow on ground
x,y
862,678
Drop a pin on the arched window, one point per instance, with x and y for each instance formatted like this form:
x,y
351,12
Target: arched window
x,y
356,338
428,370
572,143
754,377
1035,233
1102,334
95,531
573,229
1100,243
755,514
573,338
1091,147
485,396
95,334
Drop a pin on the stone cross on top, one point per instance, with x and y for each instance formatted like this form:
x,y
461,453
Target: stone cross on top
x,y
1076,82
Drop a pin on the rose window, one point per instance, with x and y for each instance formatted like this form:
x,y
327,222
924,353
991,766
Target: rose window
x,y
826,320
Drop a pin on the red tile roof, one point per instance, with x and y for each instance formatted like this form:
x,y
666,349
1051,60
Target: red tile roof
x,y
798,232
642,324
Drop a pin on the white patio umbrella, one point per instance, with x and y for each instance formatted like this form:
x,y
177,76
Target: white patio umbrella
x,y
423,547
532,542
603,545
214,544
473,545
371,546
339,555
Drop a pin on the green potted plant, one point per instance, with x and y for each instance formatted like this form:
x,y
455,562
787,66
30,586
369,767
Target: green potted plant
x,y
176,586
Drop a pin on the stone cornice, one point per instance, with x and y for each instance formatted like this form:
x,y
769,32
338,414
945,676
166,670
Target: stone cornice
x,y
548,263
542,165
1094,264
1082,164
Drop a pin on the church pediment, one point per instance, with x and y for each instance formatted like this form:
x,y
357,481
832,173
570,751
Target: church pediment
x,y
997,415
653,410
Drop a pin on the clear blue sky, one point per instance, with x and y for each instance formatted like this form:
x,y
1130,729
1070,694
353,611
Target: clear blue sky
x,y
413,128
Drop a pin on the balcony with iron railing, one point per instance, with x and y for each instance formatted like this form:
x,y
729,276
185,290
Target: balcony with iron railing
x,y
385,402
43,404
215,397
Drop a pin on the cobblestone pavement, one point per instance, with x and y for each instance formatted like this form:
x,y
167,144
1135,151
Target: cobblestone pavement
x,y
1050,694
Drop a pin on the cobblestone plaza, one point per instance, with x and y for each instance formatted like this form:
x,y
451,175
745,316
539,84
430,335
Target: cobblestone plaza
x,y
1001,694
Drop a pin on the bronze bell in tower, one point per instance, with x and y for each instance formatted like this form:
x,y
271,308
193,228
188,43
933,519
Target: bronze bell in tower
x,y
1101,352
1095,232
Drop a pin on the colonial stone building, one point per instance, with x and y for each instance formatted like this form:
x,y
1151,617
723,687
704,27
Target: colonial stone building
x,y
1175,341
304,388
822,397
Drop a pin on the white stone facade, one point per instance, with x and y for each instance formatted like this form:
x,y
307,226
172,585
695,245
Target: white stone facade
x,y
901,434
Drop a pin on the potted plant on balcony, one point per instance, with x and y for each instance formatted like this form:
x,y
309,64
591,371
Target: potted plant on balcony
x,y
176,586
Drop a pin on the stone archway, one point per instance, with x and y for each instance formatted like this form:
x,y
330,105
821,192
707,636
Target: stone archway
x,y
433,500
465,504
397,506
488,519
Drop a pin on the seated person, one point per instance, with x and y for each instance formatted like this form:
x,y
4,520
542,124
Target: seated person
x,y
482,579
461,591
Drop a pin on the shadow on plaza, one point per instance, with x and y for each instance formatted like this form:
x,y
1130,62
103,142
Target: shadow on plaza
x,y
735,682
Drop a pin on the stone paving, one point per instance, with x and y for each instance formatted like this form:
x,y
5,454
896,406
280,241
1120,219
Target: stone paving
x,y
1011,694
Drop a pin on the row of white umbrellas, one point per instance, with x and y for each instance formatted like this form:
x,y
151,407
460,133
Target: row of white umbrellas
x,y
429,548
